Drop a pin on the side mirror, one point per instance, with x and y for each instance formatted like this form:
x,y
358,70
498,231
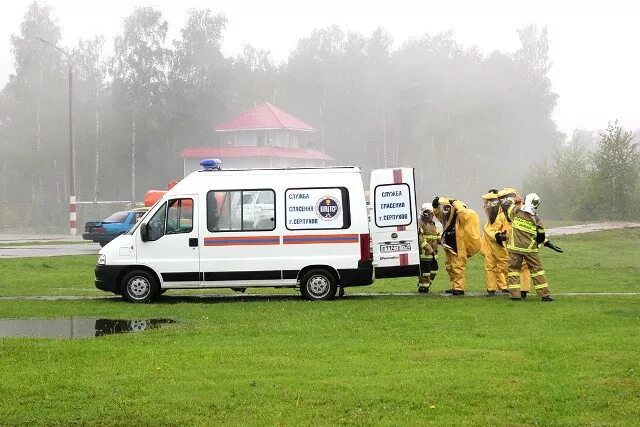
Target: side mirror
x,y
144,232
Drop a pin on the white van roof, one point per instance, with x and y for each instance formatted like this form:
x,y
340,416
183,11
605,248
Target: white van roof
x,y
316,169
197,177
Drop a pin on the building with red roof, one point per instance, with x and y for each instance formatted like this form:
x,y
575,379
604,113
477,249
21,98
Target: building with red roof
x,y
263,136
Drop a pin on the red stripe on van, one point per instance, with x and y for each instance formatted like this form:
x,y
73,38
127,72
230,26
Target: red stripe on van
x,y
242,241
397,176
404,259
397,179
306,239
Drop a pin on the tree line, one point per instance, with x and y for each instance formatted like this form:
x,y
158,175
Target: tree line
x,y
592,177
467,121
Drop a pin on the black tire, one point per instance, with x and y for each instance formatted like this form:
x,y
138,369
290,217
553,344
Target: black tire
x,y
139,286
318,284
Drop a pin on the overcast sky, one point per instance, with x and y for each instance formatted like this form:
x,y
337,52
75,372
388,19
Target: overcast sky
x,y
594,44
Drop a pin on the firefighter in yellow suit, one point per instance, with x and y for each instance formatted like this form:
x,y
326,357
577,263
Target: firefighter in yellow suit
x,y
527,234
495,252
428,238
509,196
460,238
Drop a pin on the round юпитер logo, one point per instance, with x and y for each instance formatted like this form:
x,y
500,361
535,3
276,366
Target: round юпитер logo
x,y
327,208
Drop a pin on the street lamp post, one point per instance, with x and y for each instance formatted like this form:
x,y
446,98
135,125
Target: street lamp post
x,y
72,178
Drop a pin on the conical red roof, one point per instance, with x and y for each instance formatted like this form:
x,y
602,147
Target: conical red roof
x,y
239,152
265,117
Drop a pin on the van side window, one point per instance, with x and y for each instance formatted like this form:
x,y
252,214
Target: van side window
x,y
241,210
326,208
180,216
156,224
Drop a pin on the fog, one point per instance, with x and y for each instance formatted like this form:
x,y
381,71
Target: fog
x,y
465,118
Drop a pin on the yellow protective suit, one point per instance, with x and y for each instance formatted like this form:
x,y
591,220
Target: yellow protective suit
x,y
495,254
460,238
525,274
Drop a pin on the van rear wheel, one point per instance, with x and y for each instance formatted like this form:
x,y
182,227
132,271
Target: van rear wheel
x,y
139,286
318,285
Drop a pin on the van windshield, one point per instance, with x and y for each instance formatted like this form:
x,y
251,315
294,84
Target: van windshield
x,y
140,220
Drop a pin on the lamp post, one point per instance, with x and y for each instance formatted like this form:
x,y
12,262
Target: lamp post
x,y
72,185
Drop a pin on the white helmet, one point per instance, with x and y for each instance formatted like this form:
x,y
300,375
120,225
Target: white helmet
x,y
531,203
426,207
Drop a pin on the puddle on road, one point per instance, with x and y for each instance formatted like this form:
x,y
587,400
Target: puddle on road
x,y
80,327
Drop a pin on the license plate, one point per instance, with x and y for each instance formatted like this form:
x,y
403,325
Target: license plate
x,y
396,247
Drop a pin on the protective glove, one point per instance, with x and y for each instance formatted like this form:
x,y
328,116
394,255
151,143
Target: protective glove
x,y
501,237
552,246
436,202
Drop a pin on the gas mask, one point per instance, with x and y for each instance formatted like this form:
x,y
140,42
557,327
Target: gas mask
x,y
492,208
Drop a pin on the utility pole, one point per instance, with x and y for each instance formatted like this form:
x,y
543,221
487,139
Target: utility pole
x,y
72,178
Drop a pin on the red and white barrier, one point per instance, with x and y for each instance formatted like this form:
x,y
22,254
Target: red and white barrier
x,y
72,215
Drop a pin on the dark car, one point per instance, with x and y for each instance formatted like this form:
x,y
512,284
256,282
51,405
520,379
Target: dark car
x,y
105,231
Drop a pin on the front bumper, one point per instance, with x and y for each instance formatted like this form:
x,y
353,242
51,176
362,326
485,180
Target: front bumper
x,y
107,277
361,276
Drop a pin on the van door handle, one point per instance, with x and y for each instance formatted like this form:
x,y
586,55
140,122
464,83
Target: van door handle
x,y
193,242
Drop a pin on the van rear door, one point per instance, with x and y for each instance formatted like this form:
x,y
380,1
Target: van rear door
x,y
393,223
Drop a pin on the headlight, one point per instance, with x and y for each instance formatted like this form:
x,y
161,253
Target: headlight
x,y
102,259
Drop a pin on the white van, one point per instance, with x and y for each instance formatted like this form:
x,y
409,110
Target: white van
x,y
303,228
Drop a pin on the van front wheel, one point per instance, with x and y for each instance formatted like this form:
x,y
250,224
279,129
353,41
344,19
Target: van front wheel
x,y
318,285
139,286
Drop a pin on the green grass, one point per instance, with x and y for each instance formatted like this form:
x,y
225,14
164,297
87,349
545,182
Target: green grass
x,y
61,275
359,360
400,360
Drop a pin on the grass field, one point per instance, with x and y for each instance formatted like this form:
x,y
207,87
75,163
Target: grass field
x,y
401,360
597,262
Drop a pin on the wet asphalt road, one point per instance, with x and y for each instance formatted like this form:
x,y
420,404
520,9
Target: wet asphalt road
x,y
48,250
26,245
590,228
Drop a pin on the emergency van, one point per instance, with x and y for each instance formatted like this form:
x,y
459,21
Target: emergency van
x,y
303,228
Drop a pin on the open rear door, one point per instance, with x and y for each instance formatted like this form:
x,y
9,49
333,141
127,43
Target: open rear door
x,y
393,223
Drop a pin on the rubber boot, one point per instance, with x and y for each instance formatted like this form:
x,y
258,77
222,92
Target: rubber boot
x,y
523,294
491,293
548,298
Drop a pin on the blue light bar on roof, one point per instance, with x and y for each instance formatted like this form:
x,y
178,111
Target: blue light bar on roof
x,y
211,164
